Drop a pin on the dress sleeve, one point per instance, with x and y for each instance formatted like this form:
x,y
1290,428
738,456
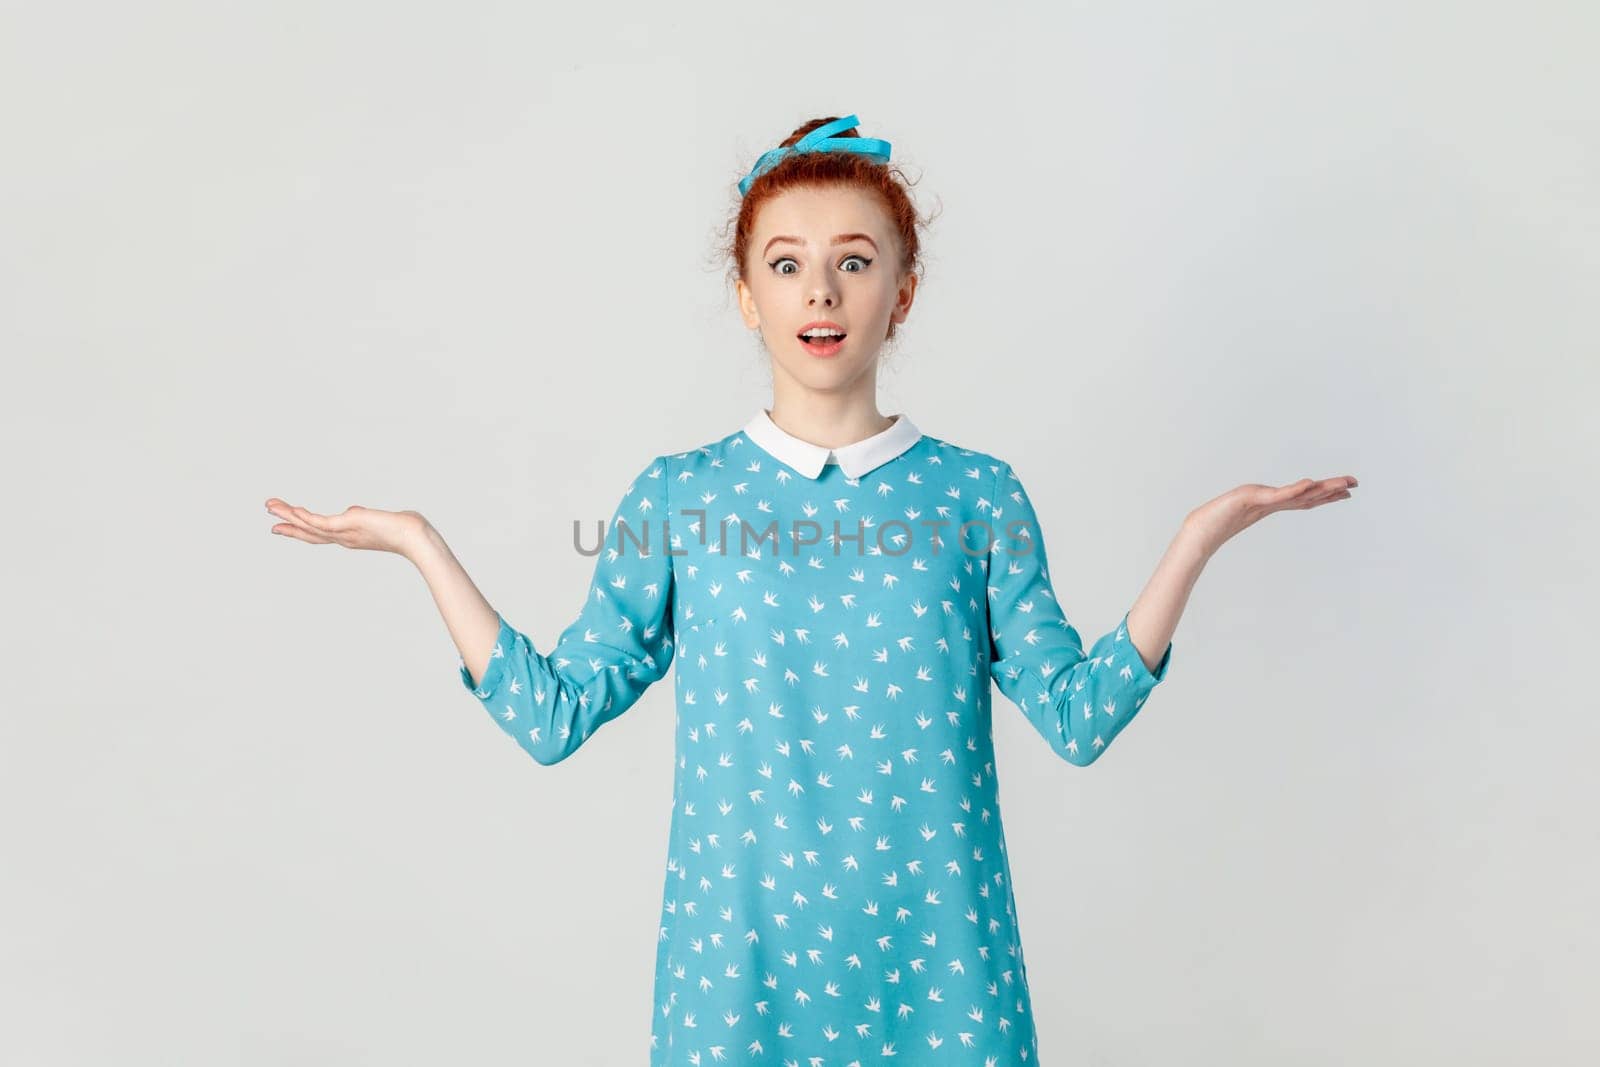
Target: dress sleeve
x,y
1079,703
619,644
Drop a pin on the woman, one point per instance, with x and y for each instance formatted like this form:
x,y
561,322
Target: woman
x,y
837,589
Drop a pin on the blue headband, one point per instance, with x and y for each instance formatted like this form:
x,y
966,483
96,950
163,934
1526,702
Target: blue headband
x,y
821,139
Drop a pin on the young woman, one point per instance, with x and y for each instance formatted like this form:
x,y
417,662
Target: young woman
x,y
838,589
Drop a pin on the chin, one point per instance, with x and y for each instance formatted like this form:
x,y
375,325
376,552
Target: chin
x,y
825,374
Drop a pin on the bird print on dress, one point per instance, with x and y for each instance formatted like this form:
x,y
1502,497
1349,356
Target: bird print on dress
x,y
837,890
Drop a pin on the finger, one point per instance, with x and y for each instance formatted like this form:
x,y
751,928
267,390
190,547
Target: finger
x,y
1317,490
1294,489
325,523
1294,497
1327,498
298,518
289,529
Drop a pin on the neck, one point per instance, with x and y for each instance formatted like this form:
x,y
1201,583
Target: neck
x,y
830,420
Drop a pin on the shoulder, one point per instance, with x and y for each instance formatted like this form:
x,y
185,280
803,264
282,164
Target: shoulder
x,y
976,464
727,452
998,486
642,480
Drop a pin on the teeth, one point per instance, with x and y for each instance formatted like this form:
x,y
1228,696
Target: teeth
x,y
823,333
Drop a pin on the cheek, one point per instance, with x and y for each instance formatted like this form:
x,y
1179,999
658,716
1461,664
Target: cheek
x,y
759,297
879,288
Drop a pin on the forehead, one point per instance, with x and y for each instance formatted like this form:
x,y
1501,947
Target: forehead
x,y
816,213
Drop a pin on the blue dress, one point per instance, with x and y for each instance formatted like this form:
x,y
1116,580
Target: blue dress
x,y
837,889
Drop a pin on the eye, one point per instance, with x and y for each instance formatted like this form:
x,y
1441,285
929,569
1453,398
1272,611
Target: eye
x,y
782,259
864,263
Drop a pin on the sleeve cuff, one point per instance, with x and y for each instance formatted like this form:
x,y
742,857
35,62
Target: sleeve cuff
x,y
1143,675
494,673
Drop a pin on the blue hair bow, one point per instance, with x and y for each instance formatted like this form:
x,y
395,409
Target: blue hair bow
x,y
821,139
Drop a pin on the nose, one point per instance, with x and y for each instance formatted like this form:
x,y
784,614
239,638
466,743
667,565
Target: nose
x,y
822,292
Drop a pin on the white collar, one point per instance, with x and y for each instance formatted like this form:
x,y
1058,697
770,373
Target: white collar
x,y
854,459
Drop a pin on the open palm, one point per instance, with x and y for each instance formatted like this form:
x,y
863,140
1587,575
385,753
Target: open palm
x,y
355,527
1220,519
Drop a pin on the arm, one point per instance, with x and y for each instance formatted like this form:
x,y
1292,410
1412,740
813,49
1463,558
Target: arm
x,y
620,643
1078,702
1081,703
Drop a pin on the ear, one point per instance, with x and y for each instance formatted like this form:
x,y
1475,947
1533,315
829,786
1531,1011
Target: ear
x,y
747,306
902,303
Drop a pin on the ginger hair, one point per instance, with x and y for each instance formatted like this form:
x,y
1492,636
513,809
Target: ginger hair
x,y
886,182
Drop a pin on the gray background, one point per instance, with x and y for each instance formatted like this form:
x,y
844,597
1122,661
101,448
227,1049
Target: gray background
x,y
463,260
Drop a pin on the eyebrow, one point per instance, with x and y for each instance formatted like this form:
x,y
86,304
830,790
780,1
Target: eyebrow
x,y
842,238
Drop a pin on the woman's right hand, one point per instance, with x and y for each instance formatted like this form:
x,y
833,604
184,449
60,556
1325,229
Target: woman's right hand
x,y
400,532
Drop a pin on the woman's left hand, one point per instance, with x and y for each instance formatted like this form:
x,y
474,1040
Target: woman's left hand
x,y
1215,521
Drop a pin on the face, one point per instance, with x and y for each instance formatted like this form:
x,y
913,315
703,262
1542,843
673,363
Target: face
x,y
799,273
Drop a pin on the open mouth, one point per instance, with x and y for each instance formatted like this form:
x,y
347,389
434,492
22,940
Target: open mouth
x,y
822,340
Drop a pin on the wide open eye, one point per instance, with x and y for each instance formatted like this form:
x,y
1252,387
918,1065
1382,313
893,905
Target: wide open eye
x,y
864,261
783,259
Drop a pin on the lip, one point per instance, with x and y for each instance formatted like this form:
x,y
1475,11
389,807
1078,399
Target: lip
x,y
827,349
826,324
